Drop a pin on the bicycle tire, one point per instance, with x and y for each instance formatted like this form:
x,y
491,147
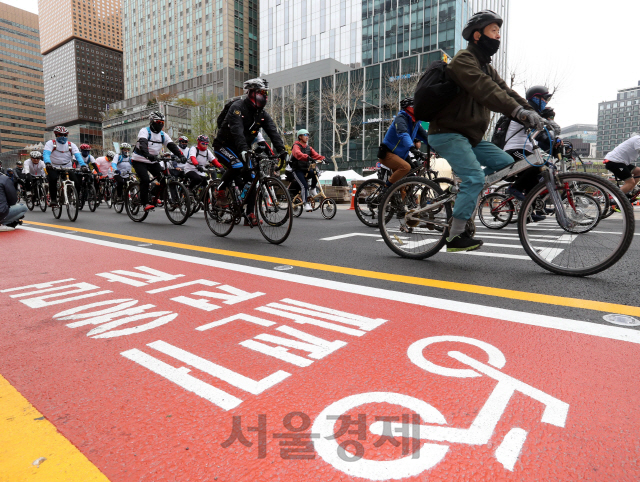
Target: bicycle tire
x,y
586,248
43,195
297,207
177,210
92,198
329,208
30,202
57,212
73,204
135,210
107,194
365,202
220,221
273,205
491,217
429,239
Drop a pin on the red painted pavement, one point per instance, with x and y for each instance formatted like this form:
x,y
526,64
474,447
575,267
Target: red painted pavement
x,y
135,425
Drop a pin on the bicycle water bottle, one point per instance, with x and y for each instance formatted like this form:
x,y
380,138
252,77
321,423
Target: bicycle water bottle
x,y
238,195
245,190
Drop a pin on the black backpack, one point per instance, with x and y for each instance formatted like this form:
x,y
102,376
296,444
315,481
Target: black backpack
x,y
224,112
435,90
499,137
340,181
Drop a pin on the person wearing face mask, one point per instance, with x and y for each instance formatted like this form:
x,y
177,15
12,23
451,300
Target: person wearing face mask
x,y
198,157
60,153
399,141
456,131
121,166
183,145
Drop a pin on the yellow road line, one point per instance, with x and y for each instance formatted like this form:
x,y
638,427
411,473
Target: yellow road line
x,y
413,280
25,437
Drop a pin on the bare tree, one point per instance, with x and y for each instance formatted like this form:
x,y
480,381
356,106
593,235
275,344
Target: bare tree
x,y
398,87
284,111
342,109
204,117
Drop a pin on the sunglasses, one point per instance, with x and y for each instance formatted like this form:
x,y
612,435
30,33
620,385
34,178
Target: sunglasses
x,y
263,92
204,143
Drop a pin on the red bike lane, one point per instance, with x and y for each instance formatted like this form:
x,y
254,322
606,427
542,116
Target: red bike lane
x,y
160,368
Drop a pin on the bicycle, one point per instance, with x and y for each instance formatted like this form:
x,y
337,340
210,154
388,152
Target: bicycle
x,y
198,194
42,189
272,203
327,206
421,219
67,195
119,201
370,192
88,192
174,194
105,191
32,199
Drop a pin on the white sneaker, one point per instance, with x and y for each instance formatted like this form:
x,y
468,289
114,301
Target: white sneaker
x,y
6,228
307,207
313,192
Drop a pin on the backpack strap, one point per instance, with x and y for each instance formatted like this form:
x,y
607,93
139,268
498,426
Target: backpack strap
x,y
149,136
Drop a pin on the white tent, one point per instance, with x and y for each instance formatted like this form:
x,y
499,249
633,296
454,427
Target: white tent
x,y
327,176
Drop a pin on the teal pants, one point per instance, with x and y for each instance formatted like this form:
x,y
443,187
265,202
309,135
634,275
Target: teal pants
x,y
467,162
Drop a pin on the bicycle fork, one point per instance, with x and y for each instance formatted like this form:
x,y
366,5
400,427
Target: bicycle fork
x,y
554,186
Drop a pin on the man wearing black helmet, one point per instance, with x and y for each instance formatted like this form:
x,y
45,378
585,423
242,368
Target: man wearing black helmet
x,y
456,132
237,132
144,159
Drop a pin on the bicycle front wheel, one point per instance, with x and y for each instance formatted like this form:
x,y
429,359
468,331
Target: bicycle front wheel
x,y
329,208
415,229
177,202
73,203
92,198
43,194
496,211
135,209
220,220
57,211
30,201
574,247
273,206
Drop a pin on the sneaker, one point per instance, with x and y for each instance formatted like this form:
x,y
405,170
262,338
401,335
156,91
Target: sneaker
x,y
519,195
221,199
307,207
535,218
149,207
54,204
251,220
6,228
462,242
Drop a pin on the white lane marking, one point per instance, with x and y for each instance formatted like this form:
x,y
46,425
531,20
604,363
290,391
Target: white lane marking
x,y
350,235
537,239
488,254
521,317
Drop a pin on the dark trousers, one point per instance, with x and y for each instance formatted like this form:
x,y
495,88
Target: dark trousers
x,y
241,176
194,178
52,177
528,179
142,171
119,184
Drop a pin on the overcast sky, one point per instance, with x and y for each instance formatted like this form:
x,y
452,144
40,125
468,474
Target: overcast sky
x,y
592,47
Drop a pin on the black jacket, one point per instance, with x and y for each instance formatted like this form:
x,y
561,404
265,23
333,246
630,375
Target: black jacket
x,y
242,124
8,196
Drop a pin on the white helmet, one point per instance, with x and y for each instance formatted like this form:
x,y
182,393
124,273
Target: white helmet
x,y
124,145
110,154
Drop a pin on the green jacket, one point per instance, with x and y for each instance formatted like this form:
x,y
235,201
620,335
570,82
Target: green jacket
x,y
481,92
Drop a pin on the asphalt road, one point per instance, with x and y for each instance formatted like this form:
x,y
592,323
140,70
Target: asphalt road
x,y
358,246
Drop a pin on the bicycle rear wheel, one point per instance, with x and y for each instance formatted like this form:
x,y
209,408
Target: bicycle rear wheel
x,y
495,211
414,230
107,194
576,249
367,200
329,208
219,220
73,204
273,206
135,209
177,202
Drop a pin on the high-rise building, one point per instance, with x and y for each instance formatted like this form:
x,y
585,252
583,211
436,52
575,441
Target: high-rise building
x,y
189,47
82,63
366,32
618,119
22,118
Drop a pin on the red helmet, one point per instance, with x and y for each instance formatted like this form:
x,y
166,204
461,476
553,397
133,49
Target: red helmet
x,y
85,147
62,130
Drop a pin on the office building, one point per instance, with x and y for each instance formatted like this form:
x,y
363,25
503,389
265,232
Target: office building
x,y
618,119
82,63
22,117
583,138
366,32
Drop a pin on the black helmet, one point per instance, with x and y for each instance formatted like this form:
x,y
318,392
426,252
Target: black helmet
x,y
479,21
156,121
19,164
538,90
406,102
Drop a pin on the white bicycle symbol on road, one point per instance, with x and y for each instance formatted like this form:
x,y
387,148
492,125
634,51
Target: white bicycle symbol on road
x,y
479,433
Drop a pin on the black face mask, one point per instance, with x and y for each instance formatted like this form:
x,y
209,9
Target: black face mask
x,y
488,45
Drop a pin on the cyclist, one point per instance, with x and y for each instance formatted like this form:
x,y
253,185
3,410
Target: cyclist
x,y
60,153
144,159
18,176
33,167
399,141
183,144
619,163
104,164
243,121
85,152
198,157
10,211
456,131
121,166
302,154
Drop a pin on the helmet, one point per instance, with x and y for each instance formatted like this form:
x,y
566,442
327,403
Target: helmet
x,y
303,132
61,131
124,145
183,138
538,90
203,138
406,102
35,155
110,154
19,164
85,147
257,91
156,121
9,171
479,21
